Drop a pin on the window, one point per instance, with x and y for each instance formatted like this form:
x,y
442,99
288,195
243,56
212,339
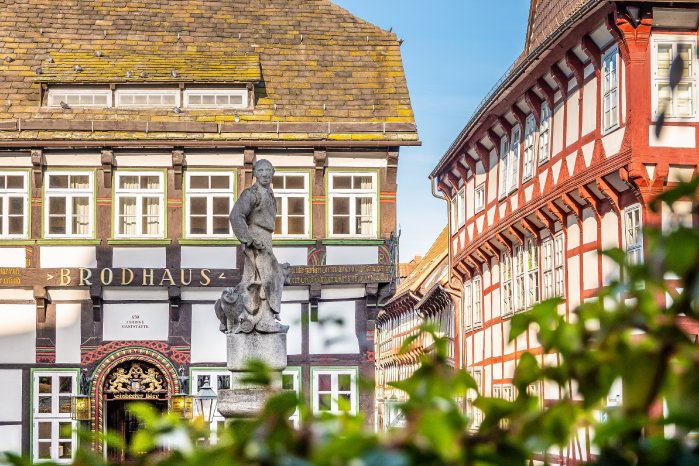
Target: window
x,y
216,98
13,204
529,153
504,158
518,258
680,102
477,300
218,379
474,413
479,198
559,261
513,173
291,194
53,436
547,262
633,234
139,205
126,97
461,208
353,209
291,380
507,294
504,392
532,270
453,209
68,206
79,97
468,305
545,133
610,89
209,199
334,390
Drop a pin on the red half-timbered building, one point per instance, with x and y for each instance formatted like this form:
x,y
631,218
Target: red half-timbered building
x,y
559,162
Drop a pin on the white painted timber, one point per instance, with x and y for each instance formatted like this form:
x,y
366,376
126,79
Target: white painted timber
x,y
612,142
73,160
334,333
68,256
138,257
342,292
208,342
18,333
16,161
572,122
13,257
288,160
150,293
207,159
295,293
356,162
351,255
292,255
208,257
68,333
291,316
138,321
673,136
11,438
143,160
11,400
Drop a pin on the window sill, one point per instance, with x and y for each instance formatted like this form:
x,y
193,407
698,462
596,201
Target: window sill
x,y
138,242
350,240
17,242
69,242
292,242
207,241
478,211
527,179
614,128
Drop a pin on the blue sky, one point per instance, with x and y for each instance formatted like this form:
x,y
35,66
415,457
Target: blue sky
x,y
453,53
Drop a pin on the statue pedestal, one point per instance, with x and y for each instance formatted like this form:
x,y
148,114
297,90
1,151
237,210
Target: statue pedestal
x,y
244,400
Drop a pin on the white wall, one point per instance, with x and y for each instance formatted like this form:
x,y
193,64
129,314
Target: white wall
x,y
13,257
18,333
139,257
201,257
291,315
11,439
294,256
328,335
151,319
68,333
68,256
351,255
11,400
208,343
573,117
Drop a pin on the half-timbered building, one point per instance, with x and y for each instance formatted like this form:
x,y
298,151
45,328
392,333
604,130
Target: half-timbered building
x,y
127,130
560,161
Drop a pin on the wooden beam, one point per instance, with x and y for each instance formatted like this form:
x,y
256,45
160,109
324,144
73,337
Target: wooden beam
x,y
560,77
494,140
545,89
530,227
519,116
534,103
484,155
592,51
575,66
505,125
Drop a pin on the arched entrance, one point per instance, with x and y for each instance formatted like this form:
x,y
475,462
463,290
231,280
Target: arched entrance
x,y
130,374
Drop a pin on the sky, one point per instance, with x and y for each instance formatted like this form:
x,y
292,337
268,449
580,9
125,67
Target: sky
x,y
453,53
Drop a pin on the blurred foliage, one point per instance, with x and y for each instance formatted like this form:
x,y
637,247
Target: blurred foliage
x,y
621,335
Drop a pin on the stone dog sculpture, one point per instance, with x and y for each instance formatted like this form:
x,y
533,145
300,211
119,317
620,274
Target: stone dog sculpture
x,y
254,304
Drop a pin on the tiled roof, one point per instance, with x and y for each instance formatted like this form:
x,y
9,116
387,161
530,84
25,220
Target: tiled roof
x,y
149,67
429,263
545,16
318,64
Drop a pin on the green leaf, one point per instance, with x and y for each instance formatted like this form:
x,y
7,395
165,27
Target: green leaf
x,y
527,371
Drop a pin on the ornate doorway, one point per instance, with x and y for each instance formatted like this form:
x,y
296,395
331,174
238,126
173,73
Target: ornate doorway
x,y
131,381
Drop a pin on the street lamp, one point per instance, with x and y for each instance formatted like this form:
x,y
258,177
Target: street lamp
x,y
205,400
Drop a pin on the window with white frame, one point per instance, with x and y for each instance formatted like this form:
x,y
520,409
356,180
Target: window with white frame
x,y
507,292
461,208
559,263
53,431
513,172
353,209
633,237
610,89
468,305
503,391
474,413
79,97
545,132
532,271
529,148
453,208
334,390
547,261
142,97
13,204
479,198
291,193
291,380
139,198
677,103
68,205
208,200
518,259
477,301
504,170
216,98
218,379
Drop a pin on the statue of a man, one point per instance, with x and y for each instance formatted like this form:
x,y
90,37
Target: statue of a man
x,y
259,294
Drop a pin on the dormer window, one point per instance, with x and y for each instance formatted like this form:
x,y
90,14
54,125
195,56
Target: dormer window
x,y
79,97
144,97
216,98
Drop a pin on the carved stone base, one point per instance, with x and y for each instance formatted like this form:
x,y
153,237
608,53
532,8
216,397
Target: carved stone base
x,y
242,402
269,348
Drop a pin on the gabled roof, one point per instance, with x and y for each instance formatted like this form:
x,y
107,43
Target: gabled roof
x,y
317,64
429,264
545,16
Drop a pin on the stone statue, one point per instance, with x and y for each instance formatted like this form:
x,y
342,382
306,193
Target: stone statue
x,y
254,304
